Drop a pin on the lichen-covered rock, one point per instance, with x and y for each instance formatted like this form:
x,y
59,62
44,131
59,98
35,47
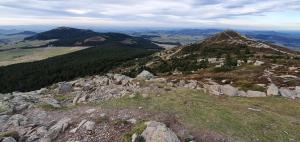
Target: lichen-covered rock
x,y
159,132
64,87
272,90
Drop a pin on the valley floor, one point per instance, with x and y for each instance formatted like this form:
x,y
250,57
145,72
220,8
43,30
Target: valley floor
x,y
15,56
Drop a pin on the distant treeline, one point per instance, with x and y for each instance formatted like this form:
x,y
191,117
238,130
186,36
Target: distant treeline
x,y
35,75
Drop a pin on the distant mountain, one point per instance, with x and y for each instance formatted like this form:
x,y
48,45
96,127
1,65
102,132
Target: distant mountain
x,y
29,33
66,36
231,42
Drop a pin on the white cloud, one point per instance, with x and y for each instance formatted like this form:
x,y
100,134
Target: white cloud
x,y
169,13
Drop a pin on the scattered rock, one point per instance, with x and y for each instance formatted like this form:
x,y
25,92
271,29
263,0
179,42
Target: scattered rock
x,y
145,75
79,125
89,111
272,90
64,87
56,129
258,63
18,120
251,93
89,125
158,132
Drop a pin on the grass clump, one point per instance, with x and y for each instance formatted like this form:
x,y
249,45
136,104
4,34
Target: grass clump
x,y
13,134
137,129
245,85
47,107
62,98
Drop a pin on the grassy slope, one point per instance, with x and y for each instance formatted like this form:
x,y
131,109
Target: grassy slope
x,y
28,55
278,120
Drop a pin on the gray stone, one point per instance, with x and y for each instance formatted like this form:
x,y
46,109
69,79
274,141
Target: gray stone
x,y
89,125
158,132
58,128
18,120
285,92
9,139
297,90
229,90
79,125
213,89
242,93
251,93
53,102
122,79
64,87
145,75
272,90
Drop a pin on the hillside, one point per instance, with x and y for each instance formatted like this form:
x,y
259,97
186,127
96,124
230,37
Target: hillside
x,y
65,36
96,60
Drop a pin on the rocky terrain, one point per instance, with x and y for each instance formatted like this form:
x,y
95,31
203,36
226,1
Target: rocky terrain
x,y
253,99
30,117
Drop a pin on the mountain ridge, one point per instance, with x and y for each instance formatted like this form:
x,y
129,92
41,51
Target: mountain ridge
x,y
66,36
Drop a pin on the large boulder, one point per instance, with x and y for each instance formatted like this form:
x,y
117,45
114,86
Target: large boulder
x,y
251,93
229,90
145,75
285,92
159,132
272,90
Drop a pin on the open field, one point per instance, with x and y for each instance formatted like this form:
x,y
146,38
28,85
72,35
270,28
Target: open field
x,y
34,54
242,119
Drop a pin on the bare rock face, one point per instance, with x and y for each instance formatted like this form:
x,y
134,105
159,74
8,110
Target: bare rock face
x,y
272,90
145,75
158,132
255,94
229,90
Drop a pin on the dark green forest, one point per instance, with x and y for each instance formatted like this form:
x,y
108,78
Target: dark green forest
x,y
96,60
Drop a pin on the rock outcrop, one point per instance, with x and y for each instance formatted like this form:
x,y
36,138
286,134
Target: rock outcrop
x,y
145,75
272,90
159,132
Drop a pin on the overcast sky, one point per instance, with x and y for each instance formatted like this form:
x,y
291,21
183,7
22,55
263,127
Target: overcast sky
x,y
247,14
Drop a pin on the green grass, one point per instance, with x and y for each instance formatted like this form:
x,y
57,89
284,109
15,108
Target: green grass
x,y
137,129
47,107
245,85
278,120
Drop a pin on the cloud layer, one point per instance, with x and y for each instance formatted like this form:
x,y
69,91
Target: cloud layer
x,y
281,14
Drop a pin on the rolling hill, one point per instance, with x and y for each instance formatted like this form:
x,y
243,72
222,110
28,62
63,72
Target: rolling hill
x,y
65,36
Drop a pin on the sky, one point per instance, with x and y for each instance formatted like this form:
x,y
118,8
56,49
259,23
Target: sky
x,y
242,14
